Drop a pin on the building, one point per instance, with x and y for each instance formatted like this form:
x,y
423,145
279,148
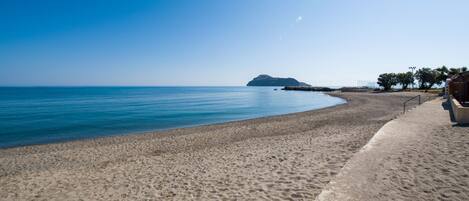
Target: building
x,y
458,94
459,87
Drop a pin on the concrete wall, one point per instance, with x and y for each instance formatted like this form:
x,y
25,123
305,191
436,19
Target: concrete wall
x,y
461,114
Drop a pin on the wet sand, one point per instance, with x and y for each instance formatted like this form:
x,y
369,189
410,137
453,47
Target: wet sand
x,y
290,156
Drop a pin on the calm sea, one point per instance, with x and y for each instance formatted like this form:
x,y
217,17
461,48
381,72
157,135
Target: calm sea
x,y
39,115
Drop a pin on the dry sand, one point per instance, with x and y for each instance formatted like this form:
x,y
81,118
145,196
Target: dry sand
x,y
284,157
421,155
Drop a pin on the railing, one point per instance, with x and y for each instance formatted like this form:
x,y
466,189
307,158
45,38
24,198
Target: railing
x,y
405,102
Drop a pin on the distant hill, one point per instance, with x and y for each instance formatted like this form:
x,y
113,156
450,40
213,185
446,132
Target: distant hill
x,y
266,80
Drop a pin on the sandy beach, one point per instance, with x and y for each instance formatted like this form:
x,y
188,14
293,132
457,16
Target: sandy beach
x,y
286,157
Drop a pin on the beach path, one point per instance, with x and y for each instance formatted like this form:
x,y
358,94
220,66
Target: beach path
x,y
421,155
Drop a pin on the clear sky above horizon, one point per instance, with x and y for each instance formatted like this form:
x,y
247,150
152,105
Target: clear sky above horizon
x,y
218,42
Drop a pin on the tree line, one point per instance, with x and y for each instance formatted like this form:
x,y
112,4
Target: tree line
x,y
426,77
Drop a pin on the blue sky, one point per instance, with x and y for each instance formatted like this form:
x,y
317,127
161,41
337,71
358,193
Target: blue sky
x,y
220,42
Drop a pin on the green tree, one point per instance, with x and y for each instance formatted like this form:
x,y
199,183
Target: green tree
x,y
455,71
404,79
387,80
426,77
442,74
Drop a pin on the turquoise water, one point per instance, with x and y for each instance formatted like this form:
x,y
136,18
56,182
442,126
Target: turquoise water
x,y
51,114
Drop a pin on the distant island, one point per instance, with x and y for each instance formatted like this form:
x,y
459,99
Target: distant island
x,y
267,80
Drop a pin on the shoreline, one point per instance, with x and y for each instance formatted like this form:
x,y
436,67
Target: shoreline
x,y
159,130
171,130
291,156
